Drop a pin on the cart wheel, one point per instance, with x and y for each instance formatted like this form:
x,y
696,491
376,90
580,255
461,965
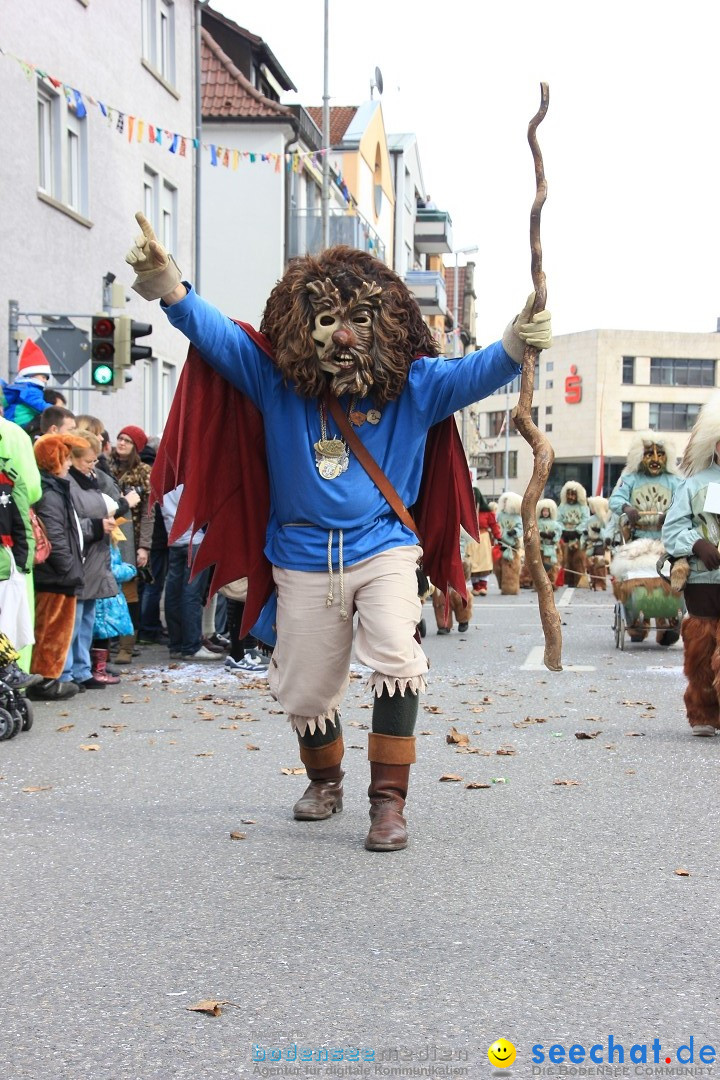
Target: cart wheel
x,y
7,725
621,631
616,625
422,627
25,709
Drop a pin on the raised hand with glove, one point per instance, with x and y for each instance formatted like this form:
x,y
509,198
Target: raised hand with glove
x,y
527,329
156,273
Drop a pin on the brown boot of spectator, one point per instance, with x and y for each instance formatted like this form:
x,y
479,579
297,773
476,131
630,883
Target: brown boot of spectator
x,y
124,654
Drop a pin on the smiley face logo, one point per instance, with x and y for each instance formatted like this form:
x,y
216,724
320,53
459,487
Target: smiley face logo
x,y
501,1053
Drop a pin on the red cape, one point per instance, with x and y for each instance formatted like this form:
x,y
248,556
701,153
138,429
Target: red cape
x,y
214,444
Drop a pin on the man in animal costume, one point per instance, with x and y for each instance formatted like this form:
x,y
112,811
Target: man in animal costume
x,y
692,532
645,488
573,516
508,566
343,366
445,605
549,531
596,545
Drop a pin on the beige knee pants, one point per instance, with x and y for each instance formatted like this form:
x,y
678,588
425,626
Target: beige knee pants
x,y
310,667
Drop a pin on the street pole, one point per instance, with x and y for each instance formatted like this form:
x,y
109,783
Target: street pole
x,y
459,349
507,440
326,137
13,319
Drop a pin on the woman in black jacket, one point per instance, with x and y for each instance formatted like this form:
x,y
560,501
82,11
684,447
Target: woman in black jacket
x,y
59,579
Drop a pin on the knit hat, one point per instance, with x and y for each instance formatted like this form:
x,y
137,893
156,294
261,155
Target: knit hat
x,y
137,435
32,360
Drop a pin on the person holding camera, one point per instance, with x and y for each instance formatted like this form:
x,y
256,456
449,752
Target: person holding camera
x,y
133,474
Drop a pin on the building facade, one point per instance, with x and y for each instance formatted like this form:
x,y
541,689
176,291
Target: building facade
x,y
93,134
594,391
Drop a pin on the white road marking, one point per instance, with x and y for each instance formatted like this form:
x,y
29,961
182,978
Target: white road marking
x,y
567,597
534,662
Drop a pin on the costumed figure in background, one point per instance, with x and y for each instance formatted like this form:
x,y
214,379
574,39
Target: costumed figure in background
x,y
343,364
645,488
573,516
507,568
479,553
597,549
691,536
454,603
550,531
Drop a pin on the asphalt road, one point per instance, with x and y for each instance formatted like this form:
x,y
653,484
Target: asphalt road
x,y
538,912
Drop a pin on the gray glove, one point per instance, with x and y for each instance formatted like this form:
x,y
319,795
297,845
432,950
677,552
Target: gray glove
x,y
527,329
156,272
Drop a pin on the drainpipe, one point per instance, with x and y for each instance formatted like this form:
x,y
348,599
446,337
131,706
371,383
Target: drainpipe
x,y
198,136
326,138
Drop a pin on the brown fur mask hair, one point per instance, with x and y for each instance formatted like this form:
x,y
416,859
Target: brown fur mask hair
x,y
399,332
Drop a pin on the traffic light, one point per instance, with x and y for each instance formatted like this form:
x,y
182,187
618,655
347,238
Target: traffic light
x,y
126,351
102,351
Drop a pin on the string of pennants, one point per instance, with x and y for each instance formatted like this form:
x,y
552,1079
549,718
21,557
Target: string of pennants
x,y
137,129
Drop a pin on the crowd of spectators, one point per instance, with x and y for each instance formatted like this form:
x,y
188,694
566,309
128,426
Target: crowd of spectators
x,y
88,577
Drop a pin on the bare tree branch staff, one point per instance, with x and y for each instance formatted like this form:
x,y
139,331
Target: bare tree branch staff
x,y
543,453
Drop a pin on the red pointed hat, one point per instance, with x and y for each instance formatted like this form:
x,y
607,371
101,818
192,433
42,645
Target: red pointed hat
x,y
32,360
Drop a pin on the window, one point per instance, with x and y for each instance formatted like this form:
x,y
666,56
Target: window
x,y
549,366
548,384
627,416
667,371
495,423
160,205
548,427
497,464
534,415
158,37
628,370
667,416
62,150
548,410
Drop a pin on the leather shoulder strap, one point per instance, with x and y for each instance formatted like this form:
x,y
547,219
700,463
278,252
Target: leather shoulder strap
x,y
369,464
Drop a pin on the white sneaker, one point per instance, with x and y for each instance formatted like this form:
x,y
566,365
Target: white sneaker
x,y
703,730
204,654
259,657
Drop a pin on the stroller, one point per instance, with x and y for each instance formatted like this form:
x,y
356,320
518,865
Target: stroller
x,y
16,712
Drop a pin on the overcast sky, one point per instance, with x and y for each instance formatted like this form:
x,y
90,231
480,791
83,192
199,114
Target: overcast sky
x,y
630,142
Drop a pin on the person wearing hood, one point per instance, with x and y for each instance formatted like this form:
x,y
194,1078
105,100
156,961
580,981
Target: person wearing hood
x,y
691,532
645,488
24,396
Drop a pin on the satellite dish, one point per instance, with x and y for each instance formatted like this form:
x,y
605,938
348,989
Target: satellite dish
x,y
376,83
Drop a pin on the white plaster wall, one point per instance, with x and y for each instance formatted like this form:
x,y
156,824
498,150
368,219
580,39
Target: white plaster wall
x,y
243,215
51,262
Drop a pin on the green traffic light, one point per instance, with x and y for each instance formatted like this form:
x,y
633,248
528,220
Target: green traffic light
x,y
102,375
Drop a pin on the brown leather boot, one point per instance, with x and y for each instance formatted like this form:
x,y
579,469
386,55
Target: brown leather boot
x,y
390,759
126,644
324,794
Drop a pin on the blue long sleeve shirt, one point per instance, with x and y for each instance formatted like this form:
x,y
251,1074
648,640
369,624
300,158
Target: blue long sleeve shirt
x,y
304,506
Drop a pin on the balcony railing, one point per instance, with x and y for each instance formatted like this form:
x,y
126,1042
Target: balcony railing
x,y
306,233
428,288
433,232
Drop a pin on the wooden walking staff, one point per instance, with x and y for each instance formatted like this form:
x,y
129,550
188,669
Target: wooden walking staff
x,y
543,453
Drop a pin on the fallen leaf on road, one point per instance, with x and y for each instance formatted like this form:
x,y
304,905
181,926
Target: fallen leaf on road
x,y
476,784
355,746
432,708
587,734
293,772
87,746
610,746
566,783
455,736
499,780
249,821
251,746
530,720
427,733
682,873
229,727
506,751
205,753
636,734
32,790
238,836
117,728
65,727
212,1008
449,776
356,723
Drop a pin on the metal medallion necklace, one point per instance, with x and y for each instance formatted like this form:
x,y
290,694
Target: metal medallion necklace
x,y
332,456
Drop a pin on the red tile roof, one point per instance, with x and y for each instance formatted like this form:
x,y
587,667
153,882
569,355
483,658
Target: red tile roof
x,y
341,117
228,94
